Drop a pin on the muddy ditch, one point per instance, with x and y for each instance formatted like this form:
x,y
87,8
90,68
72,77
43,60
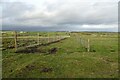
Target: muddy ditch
x,y
46,69
39,49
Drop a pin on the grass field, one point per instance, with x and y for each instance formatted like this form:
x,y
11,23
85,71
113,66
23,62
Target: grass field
x,y
70,60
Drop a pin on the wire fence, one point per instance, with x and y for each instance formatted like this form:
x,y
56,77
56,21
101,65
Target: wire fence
x,y
22,40
85,43
26,40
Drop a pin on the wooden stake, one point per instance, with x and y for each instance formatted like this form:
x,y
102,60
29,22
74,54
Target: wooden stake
x,y
55,38
58,37
15,38
38,39
48,38
88,49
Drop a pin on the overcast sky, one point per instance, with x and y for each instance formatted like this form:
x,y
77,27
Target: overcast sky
x,y
80,15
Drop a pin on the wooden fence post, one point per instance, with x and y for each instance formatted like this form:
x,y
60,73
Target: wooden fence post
x,y
88,48
15,39
55,38
48,38
38,39
58,37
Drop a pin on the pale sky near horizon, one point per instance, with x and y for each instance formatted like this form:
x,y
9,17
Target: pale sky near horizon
x,y
80,14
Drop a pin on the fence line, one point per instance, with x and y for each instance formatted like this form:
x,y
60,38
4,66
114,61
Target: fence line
x,y
36,39
85,43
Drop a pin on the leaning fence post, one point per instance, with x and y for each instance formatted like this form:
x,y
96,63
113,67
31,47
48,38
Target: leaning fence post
x,y
38,39
15,39
88,49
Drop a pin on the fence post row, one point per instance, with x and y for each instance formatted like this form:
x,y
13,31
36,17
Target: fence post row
x,y
85,43
15,39
47,39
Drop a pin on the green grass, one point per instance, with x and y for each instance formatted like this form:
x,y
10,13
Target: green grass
x,y
70,61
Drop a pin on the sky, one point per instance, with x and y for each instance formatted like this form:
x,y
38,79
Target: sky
x,y
70,15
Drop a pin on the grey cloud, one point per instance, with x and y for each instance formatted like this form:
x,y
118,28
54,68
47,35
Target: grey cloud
x,y
61,13
100,13
88,14
11,11
14,9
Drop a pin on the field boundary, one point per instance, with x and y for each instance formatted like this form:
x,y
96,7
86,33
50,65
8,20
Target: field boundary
x,y
36,45
33,41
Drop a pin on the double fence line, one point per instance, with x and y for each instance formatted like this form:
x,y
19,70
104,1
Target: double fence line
x,y
37,37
